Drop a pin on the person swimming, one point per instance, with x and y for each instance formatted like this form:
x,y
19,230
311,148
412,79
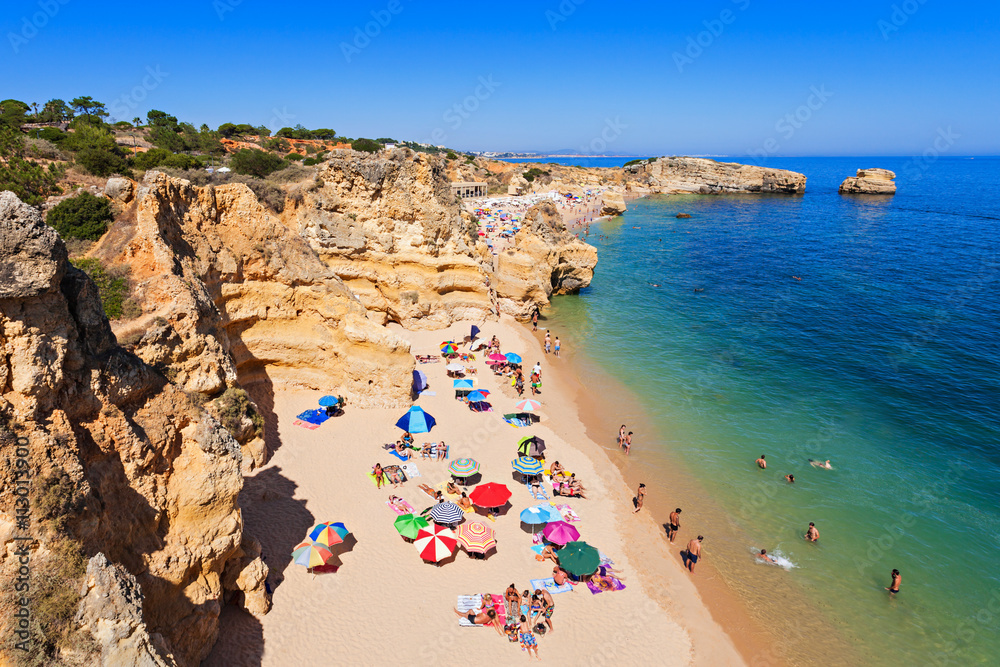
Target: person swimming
x,y
764,557
821,464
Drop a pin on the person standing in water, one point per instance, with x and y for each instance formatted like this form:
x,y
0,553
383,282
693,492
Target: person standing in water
x,y
628,442
621,436
897,579
534,320
812,534
674,525
694,552
761,463
557,346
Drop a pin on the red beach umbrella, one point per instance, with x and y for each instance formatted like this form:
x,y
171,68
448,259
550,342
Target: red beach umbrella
x,y
490,495
435,543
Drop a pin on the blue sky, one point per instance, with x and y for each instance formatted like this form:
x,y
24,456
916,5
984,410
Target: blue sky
x,y
724,77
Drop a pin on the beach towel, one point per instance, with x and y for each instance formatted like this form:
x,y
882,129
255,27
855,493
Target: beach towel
x,y
428,359
467,603
299,422
325,569
603,584
398,455
394,474
550,585
428,392
443,488
408,507
516,422
316,417
481,406
568,515
410,470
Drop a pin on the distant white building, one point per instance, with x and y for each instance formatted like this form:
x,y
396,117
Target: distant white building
x,y
389,147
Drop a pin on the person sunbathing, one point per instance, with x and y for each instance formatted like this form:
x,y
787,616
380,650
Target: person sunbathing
x,y
559,576
548,553
557,468
453,489
379,475
433,493
442,451
403,450
464,502
399,504
487,618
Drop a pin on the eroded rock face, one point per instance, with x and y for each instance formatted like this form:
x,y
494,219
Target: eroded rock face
x,y
613,203
687,175
391,229
237,298
870,182
547,260
152,479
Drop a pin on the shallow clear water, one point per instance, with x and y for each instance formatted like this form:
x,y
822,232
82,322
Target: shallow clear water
x,y
883,356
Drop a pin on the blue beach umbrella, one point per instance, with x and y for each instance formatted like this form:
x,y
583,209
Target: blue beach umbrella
x,y
463,384
329,401
513,358
416,421
537,515
419,381
447,513
474,332
478,396
527,466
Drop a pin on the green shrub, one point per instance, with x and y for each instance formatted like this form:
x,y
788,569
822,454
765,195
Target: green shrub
x,y
534,173
233,406
52,134
294,156
253,162
102,163
82,217
161,157
310,161
267,193
112,284
366,145
452,155
27,179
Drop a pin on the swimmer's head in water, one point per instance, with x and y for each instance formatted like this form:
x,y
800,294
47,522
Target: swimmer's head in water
x,y
763,552
895,571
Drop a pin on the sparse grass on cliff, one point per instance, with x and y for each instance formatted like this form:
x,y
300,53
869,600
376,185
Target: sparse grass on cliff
x,y
233,406
113,286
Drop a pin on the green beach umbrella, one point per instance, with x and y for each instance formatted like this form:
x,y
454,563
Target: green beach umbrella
x,y
579,558
409,525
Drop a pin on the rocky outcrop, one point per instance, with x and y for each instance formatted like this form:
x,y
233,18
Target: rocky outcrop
x,y
233,298
687,175
390,228
111,611
545,260
612,203
122,461
870,182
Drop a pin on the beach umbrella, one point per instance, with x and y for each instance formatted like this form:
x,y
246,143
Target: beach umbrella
x,y
527,405
513,358
435,543
531,445
473,332
447,513
448,347
311,554
560,532
478,395
463,384
493,362
527,465
419,381
490,494
329,401
479,344
463,467
579,558
537,515
409,525
477,537
328,533
455,368
496,356
416,421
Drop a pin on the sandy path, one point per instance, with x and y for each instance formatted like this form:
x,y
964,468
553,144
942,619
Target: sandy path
x,y
385,605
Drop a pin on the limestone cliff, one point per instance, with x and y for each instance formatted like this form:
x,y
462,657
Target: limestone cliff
x,y
612,204
870,182
233,298
391,229
121,461
688,175
546,260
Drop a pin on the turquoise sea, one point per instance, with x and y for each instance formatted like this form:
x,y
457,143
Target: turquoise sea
x,y
862,330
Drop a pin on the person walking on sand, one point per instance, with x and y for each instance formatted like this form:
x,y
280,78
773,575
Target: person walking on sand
x,y
761,463
812,534
548,343
557,346
897,579
640,495
628,442
674,525
694,552
527,638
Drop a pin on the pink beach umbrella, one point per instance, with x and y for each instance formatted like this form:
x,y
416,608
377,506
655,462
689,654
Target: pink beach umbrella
x,y
560,532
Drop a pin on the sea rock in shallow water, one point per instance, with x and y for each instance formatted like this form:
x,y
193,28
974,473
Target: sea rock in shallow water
x,y
690,175
870,182
683,216
613,203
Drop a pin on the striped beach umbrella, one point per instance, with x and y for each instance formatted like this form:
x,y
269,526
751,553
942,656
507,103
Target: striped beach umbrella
x,y
464,467
579,558
448,347
463,384
409,525
527,465
527,405
478,395
416,421
490,495
435,543
537,515
447,513
477,537
311,554
328,533
560,532
513,358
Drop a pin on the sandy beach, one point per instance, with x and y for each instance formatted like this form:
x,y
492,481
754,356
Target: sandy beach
x,y
384,604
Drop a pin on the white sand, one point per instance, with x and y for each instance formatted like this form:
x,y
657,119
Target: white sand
x,y
385,605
